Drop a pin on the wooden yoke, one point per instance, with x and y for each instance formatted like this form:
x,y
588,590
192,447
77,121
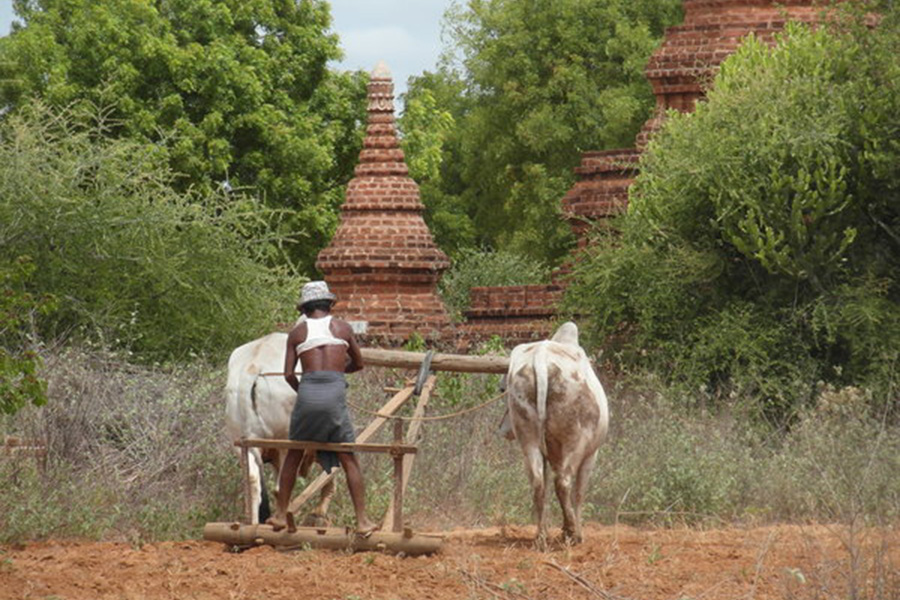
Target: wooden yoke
x,y
459,363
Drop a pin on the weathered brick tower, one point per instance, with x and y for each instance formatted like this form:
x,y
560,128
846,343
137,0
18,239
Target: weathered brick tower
x,y
678,71
382,262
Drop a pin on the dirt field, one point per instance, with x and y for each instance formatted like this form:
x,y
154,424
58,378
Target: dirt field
x,y
614,563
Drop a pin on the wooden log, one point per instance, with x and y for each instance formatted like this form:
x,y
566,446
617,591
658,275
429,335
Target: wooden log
x,y
330,538
459,363
17,447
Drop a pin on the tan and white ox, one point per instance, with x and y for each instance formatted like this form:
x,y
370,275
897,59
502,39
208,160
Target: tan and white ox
x,y
259,403
557,410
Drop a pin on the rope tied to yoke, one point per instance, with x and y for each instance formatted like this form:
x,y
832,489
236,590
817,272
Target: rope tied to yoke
x,y
452,415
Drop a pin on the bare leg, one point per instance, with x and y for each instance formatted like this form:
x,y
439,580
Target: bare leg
x,y
286,480
357,491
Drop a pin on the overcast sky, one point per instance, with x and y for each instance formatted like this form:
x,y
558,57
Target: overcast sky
x,y
405,34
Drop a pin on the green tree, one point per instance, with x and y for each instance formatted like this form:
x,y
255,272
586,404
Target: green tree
x,y
761,247
133,263
20,381
430,142
234,92
543,81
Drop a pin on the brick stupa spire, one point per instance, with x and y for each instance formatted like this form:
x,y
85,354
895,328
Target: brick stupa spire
x,y
382,262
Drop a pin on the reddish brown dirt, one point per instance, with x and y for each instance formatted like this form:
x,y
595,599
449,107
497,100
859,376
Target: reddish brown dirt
x,y
613,563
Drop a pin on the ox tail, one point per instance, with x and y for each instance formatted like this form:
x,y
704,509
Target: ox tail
x,y
253,395
540,386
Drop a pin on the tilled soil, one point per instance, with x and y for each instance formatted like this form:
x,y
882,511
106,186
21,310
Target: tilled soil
x,y
614,563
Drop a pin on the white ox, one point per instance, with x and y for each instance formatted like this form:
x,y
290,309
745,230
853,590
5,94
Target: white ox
x,y
558,412
259,403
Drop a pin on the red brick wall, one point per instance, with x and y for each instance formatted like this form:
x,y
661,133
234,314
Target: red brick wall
x,y
518,314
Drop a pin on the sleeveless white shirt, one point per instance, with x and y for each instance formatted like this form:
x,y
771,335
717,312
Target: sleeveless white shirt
x,y
318,333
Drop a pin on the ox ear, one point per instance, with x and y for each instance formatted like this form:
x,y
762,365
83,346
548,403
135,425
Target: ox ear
x,y
566,334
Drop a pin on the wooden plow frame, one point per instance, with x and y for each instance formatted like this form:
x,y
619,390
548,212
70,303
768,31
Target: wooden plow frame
x,y
393,536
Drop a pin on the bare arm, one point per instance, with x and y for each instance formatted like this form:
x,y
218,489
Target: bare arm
x,y
295,337
354,354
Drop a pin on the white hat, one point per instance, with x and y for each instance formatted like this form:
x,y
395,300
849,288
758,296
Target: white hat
x,y
315,290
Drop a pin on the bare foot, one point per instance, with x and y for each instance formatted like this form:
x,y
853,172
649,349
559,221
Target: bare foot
x,y
277,523
291,526
367,528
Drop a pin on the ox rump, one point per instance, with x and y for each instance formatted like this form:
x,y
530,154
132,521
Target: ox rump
x,y
558,412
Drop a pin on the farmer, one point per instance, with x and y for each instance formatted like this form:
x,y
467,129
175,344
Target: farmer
x,y
326,349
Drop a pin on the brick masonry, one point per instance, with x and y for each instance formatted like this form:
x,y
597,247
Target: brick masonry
x,y
517,314
382,261
678,71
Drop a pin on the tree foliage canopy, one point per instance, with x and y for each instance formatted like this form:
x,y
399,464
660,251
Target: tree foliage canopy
x,y
231,91
129,261
761,249
537,83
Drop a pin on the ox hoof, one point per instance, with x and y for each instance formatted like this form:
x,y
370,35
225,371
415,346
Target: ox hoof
x,y
571,539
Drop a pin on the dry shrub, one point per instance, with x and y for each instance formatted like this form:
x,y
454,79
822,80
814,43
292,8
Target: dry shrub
x,y
140,453
134,452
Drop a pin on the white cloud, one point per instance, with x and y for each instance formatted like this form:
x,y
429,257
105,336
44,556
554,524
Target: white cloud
x,y
404,34
404,54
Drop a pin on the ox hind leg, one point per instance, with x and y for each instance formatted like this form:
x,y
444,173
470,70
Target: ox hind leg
x,y
538,475
258,497
581,485
566,494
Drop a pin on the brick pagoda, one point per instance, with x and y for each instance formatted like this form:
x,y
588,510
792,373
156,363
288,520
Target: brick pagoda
x,y
679,71
382,262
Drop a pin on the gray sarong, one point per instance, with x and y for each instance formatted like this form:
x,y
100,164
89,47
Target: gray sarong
x,y
320,414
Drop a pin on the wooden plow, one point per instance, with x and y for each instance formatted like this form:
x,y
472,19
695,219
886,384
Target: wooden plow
x,y
394,536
